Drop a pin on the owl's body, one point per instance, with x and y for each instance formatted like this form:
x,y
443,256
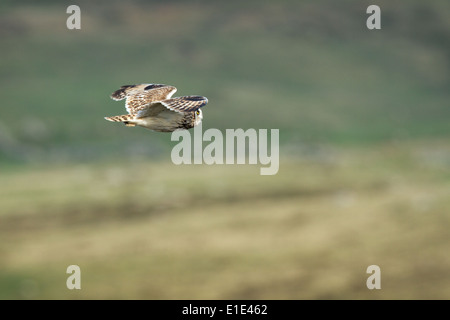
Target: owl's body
x,y
151,106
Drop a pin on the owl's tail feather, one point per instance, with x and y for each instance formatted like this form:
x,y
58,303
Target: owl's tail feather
x,y
125,118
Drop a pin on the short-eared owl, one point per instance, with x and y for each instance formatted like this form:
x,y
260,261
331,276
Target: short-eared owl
x,y
152,106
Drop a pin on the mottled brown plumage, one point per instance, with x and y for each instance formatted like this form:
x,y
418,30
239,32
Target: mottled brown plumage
x,y
152,106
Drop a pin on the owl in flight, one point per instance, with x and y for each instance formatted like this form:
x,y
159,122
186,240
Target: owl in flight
x,y
152,106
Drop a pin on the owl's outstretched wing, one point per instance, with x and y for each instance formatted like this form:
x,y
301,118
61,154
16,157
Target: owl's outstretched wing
x,y
152,109
185,104
141,96
177,105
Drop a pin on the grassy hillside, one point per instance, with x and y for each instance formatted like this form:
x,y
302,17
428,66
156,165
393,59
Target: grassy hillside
x,y
364,174
225,232
312,70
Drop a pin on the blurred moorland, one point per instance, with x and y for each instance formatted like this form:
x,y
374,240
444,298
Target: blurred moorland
x,y
364,148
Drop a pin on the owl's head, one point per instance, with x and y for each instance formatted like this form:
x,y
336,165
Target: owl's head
x,y
198,117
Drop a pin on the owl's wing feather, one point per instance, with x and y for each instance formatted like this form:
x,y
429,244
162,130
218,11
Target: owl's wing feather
x,y
151,109
141,96
185,104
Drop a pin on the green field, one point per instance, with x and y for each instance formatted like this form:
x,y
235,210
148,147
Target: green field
x,y
364,176
314,71
142,230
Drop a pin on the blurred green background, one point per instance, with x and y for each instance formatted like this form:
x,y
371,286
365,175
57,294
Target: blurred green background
x,y
364,128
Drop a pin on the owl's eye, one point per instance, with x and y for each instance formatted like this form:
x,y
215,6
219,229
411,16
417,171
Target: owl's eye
x,y
198,112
